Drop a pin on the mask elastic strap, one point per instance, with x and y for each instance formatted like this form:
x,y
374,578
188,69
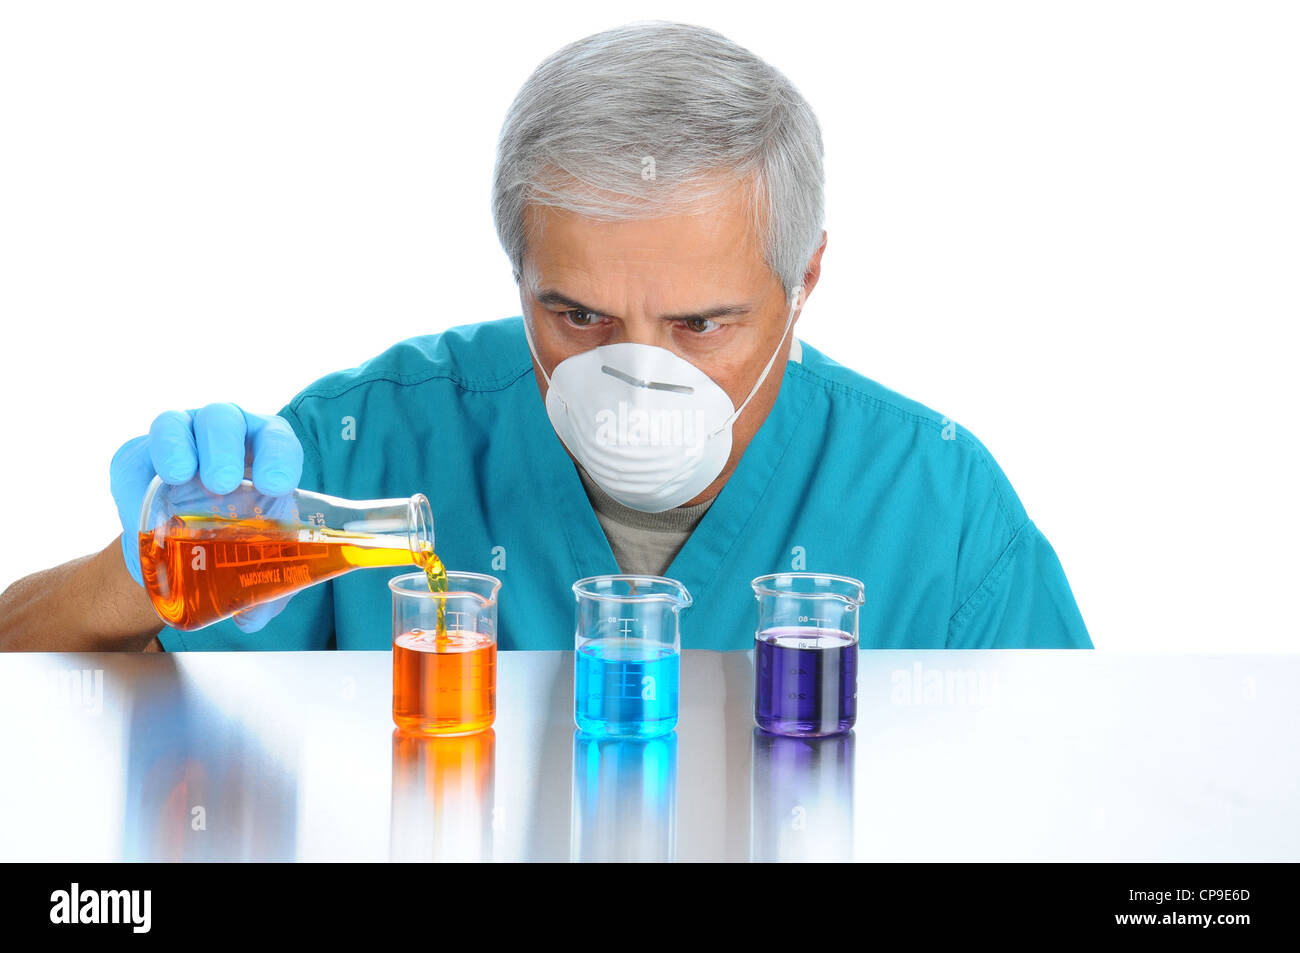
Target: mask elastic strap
x,y
794,302
533,351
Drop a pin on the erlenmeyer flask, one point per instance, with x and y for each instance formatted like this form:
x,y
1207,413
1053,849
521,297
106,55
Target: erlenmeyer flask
x,y
205,556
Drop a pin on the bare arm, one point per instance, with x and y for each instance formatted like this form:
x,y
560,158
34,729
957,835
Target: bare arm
x,y
90,604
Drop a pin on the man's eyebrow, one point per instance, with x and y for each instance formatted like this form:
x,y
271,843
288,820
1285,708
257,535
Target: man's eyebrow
x,y
721,311
551,298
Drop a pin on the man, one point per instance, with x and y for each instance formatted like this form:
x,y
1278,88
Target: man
x,y
658,191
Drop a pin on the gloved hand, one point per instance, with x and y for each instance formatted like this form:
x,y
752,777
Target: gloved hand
x,y
213,442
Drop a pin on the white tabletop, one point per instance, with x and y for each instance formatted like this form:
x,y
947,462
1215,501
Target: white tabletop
x,y
1003,755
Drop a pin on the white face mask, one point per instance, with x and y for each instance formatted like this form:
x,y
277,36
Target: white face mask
x,y
651,428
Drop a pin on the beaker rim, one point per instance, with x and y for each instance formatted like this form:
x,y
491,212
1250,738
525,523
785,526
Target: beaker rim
x,y
395,584
680,595
857,597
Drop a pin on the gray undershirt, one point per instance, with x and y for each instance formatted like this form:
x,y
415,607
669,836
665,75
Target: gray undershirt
x,y
643,543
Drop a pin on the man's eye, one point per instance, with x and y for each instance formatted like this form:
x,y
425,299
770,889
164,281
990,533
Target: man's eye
x,y
580,318
700,325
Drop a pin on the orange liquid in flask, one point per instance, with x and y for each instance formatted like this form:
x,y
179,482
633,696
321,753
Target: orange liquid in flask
x,y
203,568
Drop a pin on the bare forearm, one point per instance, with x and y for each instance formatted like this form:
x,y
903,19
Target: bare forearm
x,y
90,604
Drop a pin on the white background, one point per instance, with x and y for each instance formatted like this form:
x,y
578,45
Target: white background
x,y
1072,227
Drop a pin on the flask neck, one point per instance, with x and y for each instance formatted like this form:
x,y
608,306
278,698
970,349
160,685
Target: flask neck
x,y
395,525
419,535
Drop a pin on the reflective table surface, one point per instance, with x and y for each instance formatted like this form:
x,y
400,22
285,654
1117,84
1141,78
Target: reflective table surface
x,y
998,755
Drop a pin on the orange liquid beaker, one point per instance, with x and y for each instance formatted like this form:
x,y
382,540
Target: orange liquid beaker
x,y
444,679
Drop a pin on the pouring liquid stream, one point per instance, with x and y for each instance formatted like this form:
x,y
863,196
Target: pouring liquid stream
x,y
433,568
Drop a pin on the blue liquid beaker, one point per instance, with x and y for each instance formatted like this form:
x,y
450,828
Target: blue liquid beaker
x,y
627,655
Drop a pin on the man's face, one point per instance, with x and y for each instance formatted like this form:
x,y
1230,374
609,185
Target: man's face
x,y
696,285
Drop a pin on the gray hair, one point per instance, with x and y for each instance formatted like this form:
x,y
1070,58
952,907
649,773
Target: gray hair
x,y
655,118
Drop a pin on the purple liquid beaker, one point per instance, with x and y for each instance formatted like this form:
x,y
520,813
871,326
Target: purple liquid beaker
x,y
806,653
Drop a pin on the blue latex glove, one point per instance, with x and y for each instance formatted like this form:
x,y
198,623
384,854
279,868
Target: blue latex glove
x,y
213,442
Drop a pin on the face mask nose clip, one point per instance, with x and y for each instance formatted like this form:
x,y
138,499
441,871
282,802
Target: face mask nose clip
x,y
646,385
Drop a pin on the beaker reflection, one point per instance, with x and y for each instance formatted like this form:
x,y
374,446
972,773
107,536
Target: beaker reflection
x,y
624,799
801,798
442,798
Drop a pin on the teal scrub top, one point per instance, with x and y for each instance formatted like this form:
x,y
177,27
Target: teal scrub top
x,y
844,476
